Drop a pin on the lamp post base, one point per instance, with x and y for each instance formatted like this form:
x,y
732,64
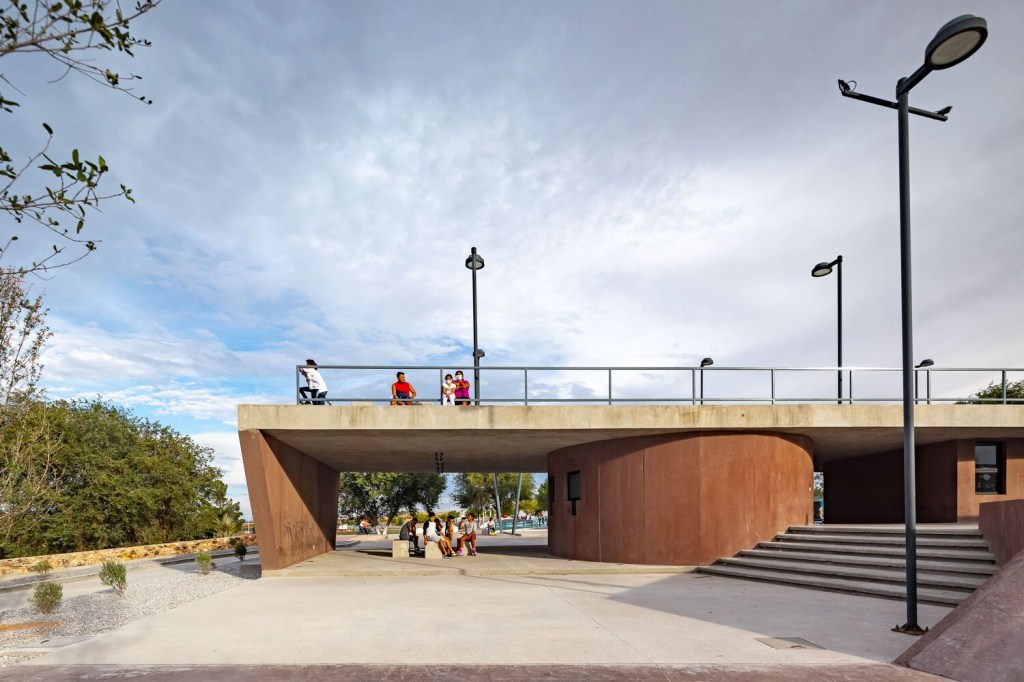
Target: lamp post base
x,y
908,629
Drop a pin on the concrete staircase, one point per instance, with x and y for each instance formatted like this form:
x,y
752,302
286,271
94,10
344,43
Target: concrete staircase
x,y
952,561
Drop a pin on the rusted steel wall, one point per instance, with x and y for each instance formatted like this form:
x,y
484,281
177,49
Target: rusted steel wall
x,y
294,500
680,499
1002,524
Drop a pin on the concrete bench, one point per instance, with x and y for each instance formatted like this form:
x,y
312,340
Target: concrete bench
x,y
399,549
432,550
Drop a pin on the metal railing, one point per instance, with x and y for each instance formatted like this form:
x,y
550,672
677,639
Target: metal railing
x,y
535,385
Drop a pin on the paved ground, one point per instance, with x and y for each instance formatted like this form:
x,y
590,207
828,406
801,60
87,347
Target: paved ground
x,y
510,613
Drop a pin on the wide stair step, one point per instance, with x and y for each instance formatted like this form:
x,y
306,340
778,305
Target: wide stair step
x,y
952,561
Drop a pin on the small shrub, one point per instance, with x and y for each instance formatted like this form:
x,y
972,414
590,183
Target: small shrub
x,y
47,596
43,566
205,562
114,574
241,550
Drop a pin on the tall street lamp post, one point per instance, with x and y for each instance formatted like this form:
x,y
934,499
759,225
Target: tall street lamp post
x,y
820,270
954,42
475,262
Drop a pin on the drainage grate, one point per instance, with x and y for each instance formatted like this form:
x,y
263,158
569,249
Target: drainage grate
x,y
788,643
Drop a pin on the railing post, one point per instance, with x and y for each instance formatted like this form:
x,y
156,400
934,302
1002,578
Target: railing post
x,y
773,384
850,386
1004,386
526,385
693,386
609,385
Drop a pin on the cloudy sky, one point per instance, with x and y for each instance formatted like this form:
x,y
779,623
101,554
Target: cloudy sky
x,y
649,182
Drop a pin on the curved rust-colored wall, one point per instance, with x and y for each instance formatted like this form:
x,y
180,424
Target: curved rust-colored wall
x,y
680,499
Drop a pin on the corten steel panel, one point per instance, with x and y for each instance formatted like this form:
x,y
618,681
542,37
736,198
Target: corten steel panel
x,y
294,501
1002,524
937,482
753,487
623,521
870,489
968,501
865,489
671,497
588,531
701,496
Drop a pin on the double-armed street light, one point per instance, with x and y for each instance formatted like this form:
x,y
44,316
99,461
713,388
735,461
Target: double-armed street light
x,y
475,262
821,270
954,42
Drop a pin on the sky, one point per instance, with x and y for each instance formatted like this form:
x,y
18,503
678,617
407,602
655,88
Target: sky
x,y
649,183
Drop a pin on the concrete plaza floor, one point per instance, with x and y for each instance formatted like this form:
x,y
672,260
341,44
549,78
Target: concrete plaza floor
x,y
509,613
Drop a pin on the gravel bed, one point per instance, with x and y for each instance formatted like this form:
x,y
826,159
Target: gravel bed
x,y
98,612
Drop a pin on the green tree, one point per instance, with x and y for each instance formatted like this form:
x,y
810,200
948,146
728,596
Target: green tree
x,y
119,480
476,491
993,394
69,32
379,496
541,497
27,445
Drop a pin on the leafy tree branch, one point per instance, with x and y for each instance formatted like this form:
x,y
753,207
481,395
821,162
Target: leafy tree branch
x,y
66,32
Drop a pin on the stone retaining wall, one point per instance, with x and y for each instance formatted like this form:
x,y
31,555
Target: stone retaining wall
x,y
22,565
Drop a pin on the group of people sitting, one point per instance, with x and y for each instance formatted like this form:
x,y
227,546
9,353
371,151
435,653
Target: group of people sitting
x,y
454,390
443,533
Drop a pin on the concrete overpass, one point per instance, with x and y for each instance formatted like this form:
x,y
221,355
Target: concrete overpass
x,y
723,476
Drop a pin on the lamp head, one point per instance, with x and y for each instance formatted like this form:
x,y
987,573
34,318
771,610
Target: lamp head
x,y
955,42
474,262
479,353
927,362
706,361
821,269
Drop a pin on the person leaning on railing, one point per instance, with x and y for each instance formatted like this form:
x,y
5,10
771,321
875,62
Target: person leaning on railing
x,y
315,390
402,391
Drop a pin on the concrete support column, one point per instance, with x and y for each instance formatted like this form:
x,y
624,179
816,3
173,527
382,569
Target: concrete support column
x,y
294,500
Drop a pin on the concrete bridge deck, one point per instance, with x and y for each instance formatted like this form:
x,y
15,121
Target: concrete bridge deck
x,y
516,438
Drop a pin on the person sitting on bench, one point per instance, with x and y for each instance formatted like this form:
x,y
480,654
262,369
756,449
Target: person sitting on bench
x,y
402,391
435,533
468,528
408,532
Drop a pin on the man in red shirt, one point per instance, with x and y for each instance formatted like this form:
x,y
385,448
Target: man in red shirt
x,y
402,391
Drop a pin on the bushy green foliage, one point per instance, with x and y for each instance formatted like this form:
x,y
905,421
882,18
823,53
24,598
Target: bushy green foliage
x,y
241,550
114,574
43,566
993,394
205,562
47,597
380,495
117,480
